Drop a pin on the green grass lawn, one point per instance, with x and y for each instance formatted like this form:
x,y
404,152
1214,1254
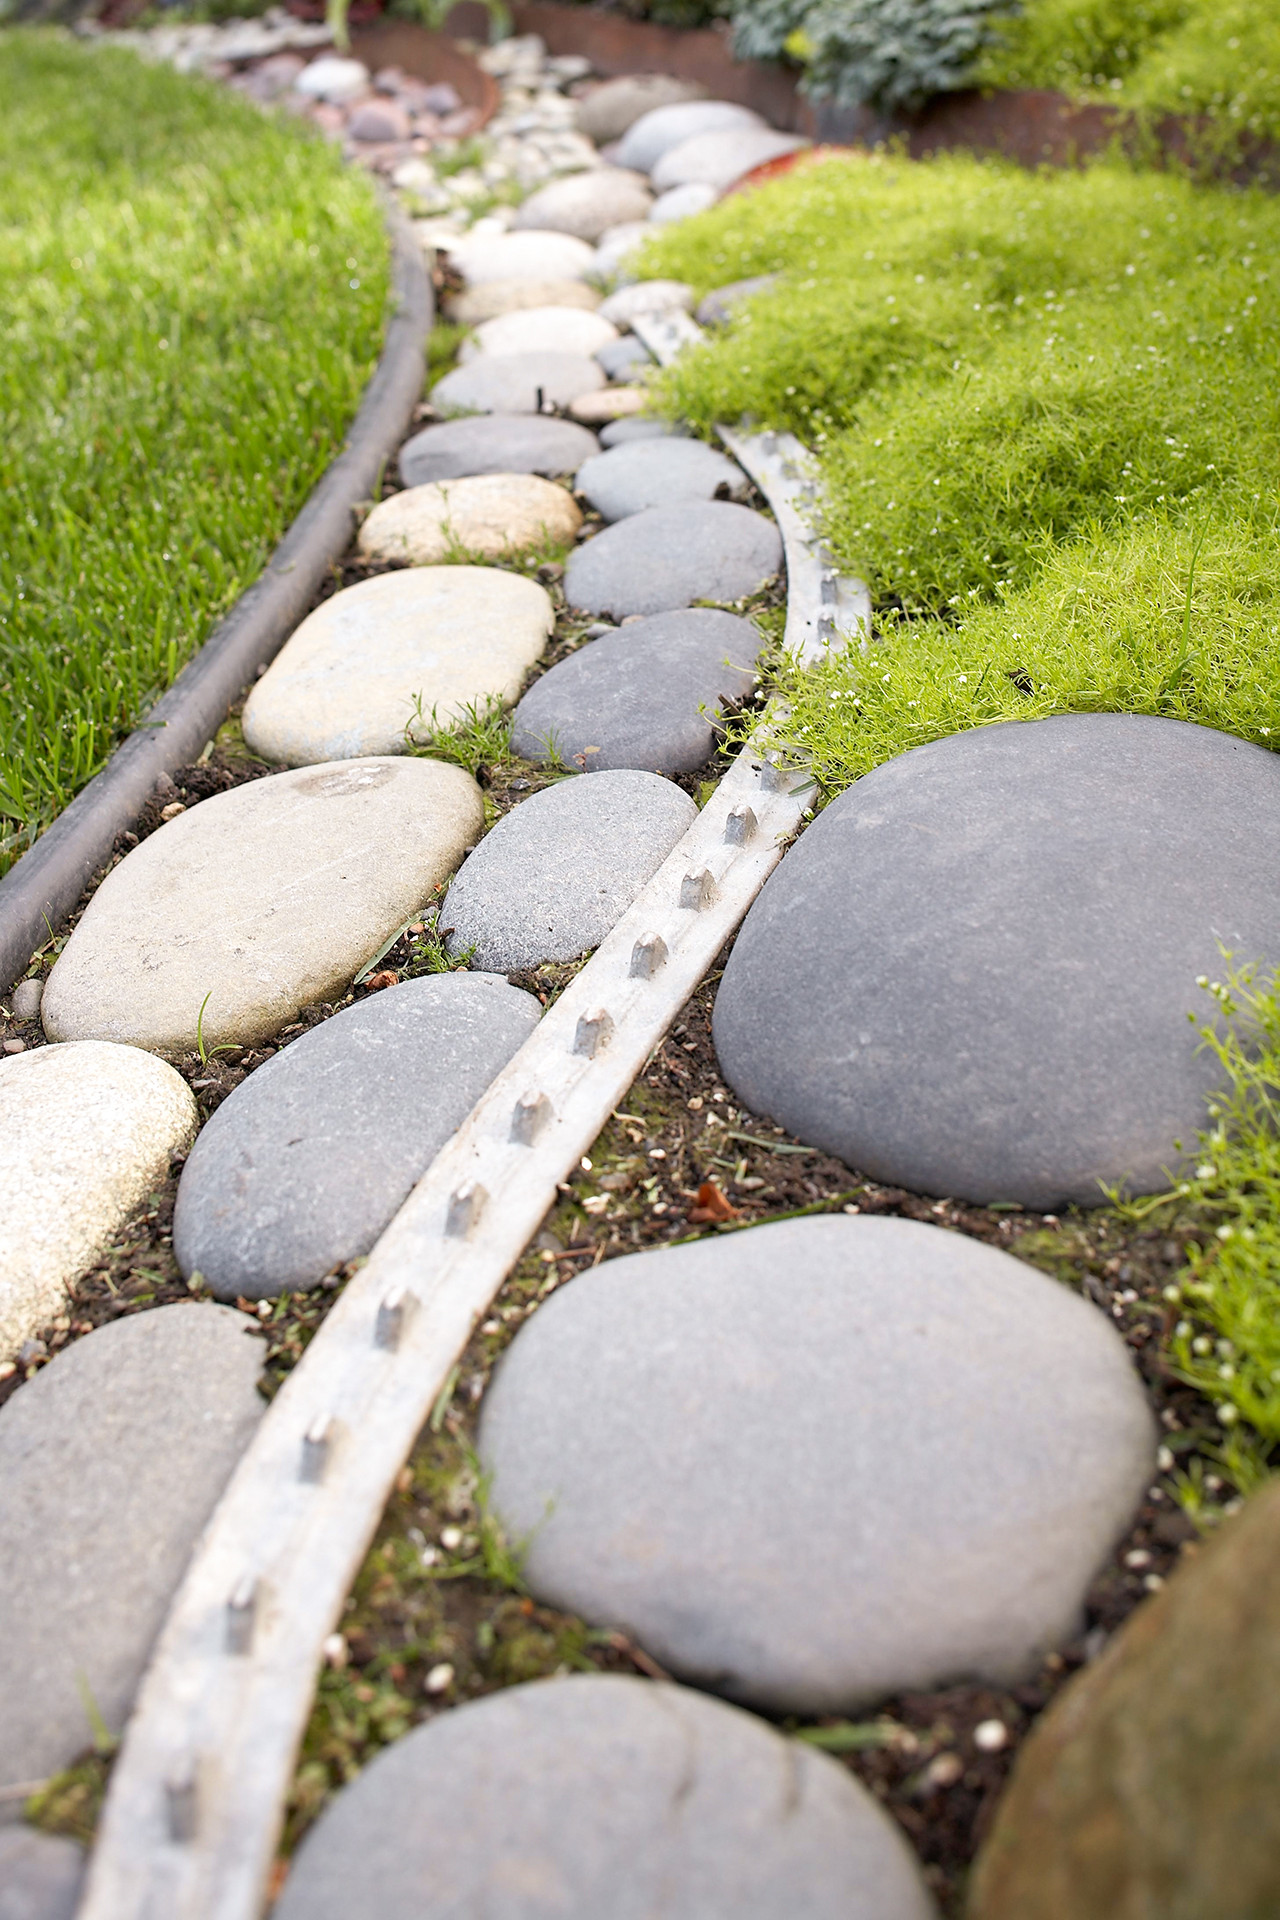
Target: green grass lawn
x,y
192,298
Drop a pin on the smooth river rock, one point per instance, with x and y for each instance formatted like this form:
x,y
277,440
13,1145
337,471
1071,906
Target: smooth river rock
x,y
86,1133
516,383
303,1165
668,557
474,305
647,296
111,1459
822,1461
260,901
620,433
718,159
1148,1788
681,203
41,1874
540,330
972,976
603,1797
350,680
522,256
551,879
586,204
646,696
623,359
647,139
657,473
495,443
608,110
487,513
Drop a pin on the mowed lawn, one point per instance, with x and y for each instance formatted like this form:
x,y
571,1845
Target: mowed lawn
x,y
192,299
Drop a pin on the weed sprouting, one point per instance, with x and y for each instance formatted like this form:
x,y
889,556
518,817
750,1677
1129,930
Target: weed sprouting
x,y
479,737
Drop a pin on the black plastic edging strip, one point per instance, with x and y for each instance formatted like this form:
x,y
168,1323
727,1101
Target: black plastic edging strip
x,y
44,885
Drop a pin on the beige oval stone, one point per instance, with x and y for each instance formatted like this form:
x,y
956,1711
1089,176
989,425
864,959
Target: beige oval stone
x,y
485,513
474,305
85,1133
541,330
611,403
534,254
363,667
260,901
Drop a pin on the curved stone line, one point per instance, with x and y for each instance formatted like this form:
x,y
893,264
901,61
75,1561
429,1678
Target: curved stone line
x,y
44,885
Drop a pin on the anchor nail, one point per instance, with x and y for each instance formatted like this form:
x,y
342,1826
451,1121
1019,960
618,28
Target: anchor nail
x,y
241,1610
740,827
465,1208
648,954
698,890
594,1032
531,1114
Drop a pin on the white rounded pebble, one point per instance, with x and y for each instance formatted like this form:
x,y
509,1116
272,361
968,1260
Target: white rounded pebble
x,y
85,1132
487,513
646,296
989,1736
329,78
540,330
681,203
534,254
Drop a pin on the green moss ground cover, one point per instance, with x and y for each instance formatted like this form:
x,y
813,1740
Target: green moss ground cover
x,y
1214,58
192,298
1046,417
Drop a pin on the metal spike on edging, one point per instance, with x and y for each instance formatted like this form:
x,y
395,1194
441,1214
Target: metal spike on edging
x,y
593,1032
182,1838
529,1116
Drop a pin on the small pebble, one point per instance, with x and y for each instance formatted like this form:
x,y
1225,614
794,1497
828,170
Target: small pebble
x,y
335,1651
15,1046
451,1538
440,1678
989,1736
24,1002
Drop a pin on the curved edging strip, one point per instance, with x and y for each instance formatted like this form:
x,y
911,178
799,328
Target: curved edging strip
x,y
44,885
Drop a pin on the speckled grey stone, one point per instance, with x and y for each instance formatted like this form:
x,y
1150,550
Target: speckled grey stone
x,y
512,382
555,874
621,358
495,443
40,1874
670,556
716,309
603,1797
111,1460
619,433
718,159
973,974
647,139
657,473
306,1161
822,1461
645,696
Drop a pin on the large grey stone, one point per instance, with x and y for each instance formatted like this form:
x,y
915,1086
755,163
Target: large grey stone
x,y
521,256
603,1797
718,159
668,557
351,678
647,139
111,1460
305,1163
258,902
556,873
586,204
608,110
716,309
86,1132
40,1874
646,296
516,383
822,1461
645,696
657,473
620,433
973,974
539,330
622,359
495,443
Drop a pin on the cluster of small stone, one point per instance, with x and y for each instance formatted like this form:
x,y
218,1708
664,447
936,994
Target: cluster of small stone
x,y
805,1466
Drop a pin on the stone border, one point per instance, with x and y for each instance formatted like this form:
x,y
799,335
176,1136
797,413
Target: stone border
x,y
44,885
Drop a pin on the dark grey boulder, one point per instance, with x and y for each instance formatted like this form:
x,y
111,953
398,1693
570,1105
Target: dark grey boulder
x,y
111,1460
657,473
304,1164
495,443
716,309
668,557
517,383
645,696
603,1797
819,1462
556,873
619,433
973,974
40,1874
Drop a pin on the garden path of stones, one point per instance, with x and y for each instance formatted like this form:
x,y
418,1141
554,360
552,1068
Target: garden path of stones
x,y
806,1466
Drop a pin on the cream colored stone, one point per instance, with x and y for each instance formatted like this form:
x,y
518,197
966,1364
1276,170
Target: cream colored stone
x,y
534,254
611,403
474,305
352,678
541,330
486,513
260,901
85,1133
